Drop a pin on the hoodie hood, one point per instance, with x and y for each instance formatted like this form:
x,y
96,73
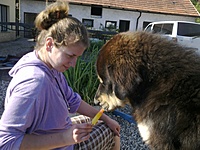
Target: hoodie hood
x,y
30,59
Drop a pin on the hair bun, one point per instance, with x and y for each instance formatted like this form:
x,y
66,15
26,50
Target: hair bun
x,y
52,14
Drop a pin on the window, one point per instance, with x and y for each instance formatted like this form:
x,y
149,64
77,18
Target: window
x,y
3,16
88,22
124,25
148,28
111,25
165,28
145,23
188,29
96,10
157,28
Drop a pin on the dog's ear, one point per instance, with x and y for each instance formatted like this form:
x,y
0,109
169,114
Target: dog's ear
x,y
148,75
143,73
116,81
120,91
146,79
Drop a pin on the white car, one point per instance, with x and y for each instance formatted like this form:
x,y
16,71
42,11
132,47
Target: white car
x,y
184,32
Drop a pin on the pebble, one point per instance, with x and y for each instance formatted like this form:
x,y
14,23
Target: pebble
x,y
129,134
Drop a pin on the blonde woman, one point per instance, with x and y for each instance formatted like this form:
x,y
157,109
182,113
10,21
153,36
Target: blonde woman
x,y
38,99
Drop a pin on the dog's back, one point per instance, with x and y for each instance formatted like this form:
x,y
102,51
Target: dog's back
x,y
171,108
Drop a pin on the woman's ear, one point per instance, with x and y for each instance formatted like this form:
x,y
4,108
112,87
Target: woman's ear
x,y
49,43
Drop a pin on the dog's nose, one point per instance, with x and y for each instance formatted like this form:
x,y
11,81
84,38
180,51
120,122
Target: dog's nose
x,y
96,101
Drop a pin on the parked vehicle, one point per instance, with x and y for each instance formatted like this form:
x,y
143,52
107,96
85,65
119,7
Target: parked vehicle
x,y
183,32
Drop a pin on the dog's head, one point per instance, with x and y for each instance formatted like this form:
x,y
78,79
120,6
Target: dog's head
x,y
132,65
119,69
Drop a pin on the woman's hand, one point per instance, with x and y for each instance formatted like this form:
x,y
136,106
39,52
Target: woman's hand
x,y
113,125
87,110
77,133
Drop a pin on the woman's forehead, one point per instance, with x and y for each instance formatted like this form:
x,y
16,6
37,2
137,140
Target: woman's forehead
x,y
73,49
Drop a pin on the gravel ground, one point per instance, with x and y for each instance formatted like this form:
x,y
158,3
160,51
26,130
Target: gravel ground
x,y
3,86
130,137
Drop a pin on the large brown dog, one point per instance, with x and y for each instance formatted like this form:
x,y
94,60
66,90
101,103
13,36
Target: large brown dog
x,y
161,81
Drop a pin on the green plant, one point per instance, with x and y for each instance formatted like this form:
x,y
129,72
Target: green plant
x,y
82,78
95,46
197,20
196,3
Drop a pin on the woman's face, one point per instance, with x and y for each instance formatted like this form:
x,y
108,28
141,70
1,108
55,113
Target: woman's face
x,y
64,57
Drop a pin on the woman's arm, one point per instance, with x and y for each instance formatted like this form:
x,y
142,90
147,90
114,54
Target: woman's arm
x,y
76,134
41,142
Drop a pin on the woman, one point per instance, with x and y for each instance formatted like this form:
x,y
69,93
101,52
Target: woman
x,y
38,100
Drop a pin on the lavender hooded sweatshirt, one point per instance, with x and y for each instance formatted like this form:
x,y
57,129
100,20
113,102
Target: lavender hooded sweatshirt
x,y
34,103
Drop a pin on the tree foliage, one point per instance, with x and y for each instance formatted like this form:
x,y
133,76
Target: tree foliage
x,y
196,3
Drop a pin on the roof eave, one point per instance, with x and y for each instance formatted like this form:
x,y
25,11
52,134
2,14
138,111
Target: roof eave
x,y
138,10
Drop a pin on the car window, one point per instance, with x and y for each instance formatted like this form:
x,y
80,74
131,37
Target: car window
x,y
165,28
148,29
188,29
157,28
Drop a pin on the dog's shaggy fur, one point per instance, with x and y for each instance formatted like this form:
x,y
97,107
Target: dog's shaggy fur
x,y
161,81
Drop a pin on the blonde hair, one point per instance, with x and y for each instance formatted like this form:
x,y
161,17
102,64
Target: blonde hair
x,y
54,22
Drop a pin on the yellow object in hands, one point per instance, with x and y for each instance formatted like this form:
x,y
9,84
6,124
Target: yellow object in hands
x,y
98,115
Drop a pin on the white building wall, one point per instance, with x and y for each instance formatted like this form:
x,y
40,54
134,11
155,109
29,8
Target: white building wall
x,y
10,34
80,12
118,15
107,15
11,9
29,6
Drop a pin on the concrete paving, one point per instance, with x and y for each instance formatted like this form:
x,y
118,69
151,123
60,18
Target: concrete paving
x,y
17,47
11,51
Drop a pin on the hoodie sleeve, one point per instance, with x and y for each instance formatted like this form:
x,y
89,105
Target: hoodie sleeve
x,y
14,122
19,113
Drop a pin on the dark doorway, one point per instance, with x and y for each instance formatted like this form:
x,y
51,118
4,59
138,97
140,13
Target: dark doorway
x,y
29,19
